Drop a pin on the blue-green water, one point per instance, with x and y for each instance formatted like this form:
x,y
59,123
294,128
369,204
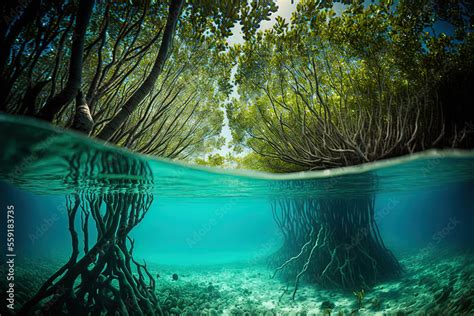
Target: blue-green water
x,y
210,225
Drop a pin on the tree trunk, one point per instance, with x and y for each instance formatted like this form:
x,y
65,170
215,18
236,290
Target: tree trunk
x,y
73,84
131,105
83,121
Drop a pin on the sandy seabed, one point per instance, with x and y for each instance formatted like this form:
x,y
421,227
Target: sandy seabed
x,y
434,283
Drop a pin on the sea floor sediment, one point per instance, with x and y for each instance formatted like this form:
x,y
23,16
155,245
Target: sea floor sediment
x,y
435,282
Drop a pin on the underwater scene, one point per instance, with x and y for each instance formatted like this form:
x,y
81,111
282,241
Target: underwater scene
x,y
92,228
237,157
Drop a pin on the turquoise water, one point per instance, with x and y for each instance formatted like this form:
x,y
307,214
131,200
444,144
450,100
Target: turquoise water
x,y
220,220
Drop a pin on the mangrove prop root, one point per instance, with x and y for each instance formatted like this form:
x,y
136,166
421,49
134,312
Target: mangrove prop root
x,y
102,276
347,251
305,266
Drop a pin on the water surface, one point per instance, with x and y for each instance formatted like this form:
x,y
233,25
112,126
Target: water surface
x,y
203,217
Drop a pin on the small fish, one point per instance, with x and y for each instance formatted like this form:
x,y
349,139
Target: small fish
x,y
157,275
175,277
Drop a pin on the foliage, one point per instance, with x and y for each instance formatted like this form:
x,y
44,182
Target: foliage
x,y
329,90
179,116
360,295
302,84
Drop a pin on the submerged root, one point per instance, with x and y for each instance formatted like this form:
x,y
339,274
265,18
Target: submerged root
x,y
305,266
293,258
103,277
347,252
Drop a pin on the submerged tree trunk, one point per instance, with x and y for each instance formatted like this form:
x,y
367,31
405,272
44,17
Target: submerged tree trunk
x,y
134,101
104,277
334,242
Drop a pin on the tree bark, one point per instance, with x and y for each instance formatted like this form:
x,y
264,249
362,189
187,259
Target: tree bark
x,y
73,84
83,121
132,103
